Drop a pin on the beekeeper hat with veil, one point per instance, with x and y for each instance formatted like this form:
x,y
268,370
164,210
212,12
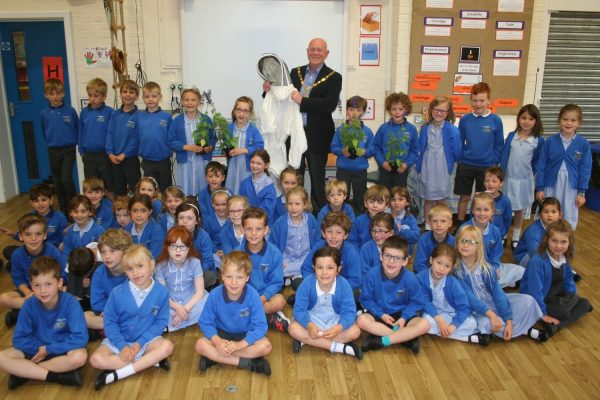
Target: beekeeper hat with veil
x,y
279,116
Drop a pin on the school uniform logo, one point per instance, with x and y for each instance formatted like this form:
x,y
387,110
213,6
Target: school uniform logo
x,y
499,212
162,122
60,323
100,119
130,124
67,119
51,229
400,293
99,221
487,129
244,312
155,310
578,155
264,267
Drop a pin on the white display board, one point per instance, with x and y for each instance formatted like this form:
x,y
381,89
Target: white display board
x,y
222,41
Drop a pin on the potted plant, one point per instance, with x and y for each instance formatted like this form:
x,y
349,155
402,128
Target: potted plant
x,y
396,150
224,135
201,134
351,134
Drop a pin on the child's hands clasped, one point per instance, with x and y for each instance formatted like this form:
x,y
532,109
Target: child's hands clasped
x,y
181,314
508,330
445,329
332,332
128,353
40,355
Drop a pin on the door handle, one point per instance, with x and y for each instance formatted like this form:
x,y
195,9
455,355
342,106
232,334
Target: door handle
x,y
11,109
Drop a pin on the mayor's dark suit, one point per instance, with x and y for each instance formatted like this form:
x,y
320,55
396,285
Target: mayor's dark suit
x,y
318,106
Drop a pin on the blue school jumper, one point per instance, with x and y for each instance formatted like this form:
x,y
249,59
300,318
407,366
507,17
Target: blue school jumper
x,y
506,152
125,322
204,246
360,163
157,207
177,138
451,141
103,282
530,241
264,199
408,229
389,129
73,238
346,209
152,236
210,223
244,315
482,139
502,214
370,256
60,329
60,126
425,247
342,301
381,295
577,158
537,279
93,127
491,283
21,260
279,231
492,242
166,220
122,136
153,128
56,223
105,215
351,265
205,199
228,239
254,141
280,207
453,292
360,233
267,269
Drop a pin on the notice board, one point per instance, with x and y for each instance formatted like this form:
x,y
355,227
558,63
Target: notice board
x,y
458,43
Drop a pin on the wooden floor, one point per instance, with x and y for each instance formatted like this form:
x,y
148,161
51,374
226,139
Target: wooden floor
x,y
566,367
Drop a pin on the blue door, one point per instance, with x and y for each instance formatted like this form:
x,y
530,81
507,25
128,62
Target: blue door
x,y
31,53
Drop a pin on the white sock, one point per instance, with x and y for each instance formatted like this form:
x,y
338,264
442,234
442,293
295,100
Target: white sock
x,y
123,373
342,348
516,233
534,333
474,338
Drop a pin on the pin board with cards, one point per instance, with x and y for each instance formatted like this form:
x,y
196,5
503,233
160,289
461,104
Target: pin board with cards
x,y
458,43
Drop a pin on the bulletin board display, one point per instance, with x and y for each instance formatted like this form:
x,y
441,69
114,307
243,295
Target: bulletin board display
x,y
458,43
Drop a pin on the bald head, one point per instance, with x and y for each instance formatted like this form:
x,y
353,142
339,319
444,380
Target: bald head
x,y
317,53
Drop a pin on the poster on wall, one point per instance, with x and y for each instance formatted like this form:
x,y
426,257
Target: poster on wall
x,y
464,82
369,51
370,20
97,57
370,111
434,58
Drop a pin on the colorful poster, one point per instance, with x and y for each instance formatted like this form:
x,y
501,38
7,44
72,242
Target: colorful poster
x,y
370,20
97,57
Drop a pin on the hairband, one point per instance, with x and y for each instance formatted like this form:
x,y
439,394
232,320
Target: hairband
x,y
153,180
174,187
226,191
196,208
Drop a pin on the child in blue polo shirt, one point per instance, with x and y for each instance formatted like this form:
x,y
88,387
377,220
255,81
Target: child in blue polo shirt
x,y
93,189
267,266
353,159
122,140
214,174
482,139
233,321
84,229
60,126
135,316
153,128
439,219
325,312
32,232
93,128
393,298
50,336
493,181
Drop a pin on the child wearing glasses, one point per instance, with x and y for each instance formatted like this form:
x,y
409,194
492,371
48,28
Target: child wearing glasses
x,y
393,299
504,315
180,270
439,149
382,227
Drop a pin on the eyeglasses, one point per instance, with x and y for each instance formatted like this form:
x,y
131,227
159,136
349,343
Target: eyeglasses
x,y
238,211
394,259
242,111
469,241
379,231
176,247
437,110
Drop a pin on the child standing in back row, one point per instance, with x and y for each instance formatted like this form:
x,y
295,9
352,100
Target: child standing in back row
x,y
565,165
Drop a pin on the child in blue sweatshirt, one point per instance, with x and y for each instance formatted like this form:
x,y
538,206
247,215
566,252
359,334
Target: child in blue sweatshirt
x,y
110,274
289,178
267,266
482,139
405,224
32,232
396,142
135,316
439,219
565,165
258,187
143,229
149,186
325,311
214,174
93,189
377,199
60,126
549,279
214,220
153,129
295,233
232,232
122,140
493,182
84,229
93,128
233,321
336,192
382,227
50,336
353,148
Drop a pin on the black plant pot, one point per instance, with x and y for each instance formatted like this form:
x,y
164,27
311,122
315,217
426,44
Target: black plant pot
x,y
227,151
352,152
394,167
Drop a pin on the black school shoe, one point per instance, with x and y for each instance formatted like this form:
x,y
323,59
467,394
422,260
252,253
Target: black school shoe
x,y
296,346
260,365
10,319
577,277
413,345
205,363
15,381
164,364
101,379
372,342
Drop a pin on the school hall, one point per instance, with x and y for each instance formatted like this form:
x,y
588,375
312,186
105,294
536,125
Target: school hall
x,y
154,36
